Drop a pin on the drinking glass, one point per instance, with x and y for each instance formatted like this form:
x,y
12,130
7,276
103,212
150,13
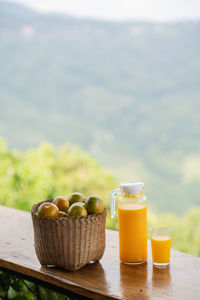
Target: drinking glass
x,y
161,245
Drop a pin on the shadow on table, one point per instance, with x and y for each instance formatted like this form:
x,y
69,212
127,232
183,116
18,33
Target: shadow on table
x,y
91,276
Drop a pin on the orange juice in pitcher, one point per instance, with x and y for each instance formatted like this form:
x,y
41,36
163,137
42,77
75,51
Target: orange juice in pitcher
x,y
132,218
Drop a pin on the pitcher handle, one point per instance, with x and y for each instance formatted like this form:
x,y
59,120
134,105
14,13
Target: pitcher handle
x,y
113,194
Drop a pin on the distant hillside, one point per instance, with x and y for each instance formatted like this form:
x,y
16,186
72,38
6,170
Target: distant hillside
x,y
129,93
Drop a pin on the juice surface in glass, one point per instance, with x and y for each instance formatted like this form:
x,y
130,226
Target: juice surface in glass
x,y
132,232
161,246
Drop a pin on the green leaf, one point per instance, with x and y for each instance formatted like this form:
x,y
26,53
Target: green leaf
x,y
4,281
17,284
19,298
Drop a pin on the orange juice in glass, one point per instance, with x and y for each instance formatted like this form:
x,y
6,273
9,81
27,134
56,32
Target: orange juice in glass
x,y
161,245
132,218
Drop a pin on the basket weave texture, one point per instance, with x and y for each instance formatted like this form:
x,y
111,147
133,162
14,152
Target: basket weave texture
x,y
69,242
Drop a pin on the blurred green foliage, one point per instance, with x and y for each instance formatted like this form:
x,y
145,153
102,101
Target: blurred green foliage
x,y
127,92
42,173
45,172
15,288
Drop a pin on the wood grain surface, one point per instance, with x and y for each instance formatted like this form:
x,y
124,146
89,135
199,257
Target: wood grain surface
x,y
108,279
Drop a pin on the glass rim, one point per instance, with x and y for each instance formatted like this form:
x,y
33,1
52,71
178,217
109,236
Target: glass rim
x,y
169,229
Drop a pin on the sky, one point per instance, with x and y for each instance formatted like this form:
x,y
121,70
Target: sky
x,y
121,10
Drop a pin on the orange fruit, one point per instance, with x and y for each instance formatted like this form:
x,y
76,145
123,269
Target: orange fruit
x,y
62,203
76,197
94,204
48,210
62,214
77,210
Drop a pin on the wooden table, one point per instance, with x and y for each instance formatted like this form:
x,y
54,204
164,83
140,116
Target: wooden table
x,y
108,279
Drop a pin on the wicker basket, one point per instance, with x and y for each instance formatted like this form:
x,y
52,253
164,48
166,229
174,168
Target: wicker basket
x,y
69,243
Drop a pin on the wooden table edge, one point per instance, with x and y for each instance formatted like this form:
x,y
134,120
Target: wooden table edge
x,y
47,278
45,275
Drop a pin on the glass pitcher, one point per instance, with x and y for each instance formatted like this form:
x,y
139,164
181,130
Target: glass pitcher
x,y
132,213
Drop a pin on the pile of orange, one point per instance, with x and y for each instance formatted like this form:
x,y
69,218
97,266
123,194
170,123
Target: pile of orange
x,y
76,205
